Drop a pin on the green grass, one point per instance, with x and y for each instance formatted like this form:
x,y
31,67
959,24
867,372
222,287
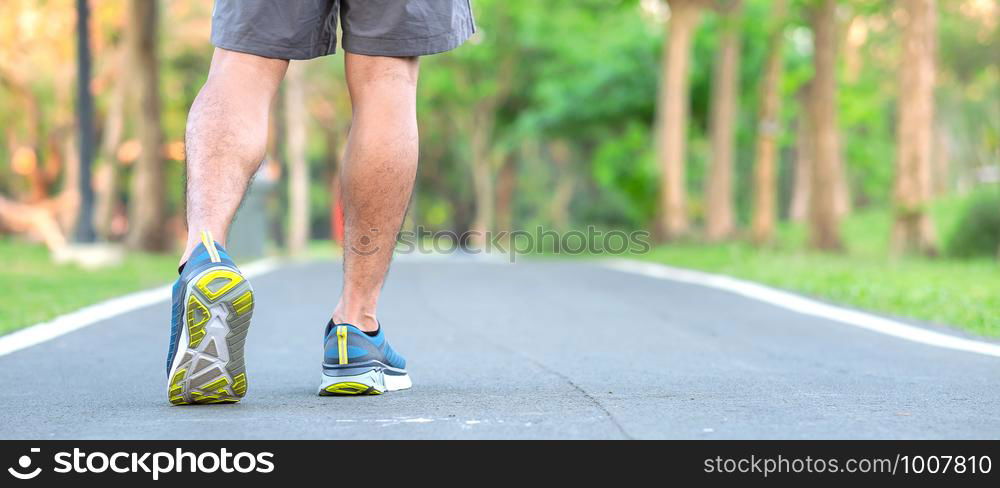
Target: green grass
x,y
964,294
34,289
961,293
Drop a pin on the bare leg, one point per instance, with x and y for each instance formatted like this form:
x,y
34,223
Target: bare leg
x,y
377,178
226,139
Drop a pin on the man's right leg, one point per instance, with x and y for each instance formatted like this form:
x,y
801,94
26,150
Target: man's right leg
x,y
212,301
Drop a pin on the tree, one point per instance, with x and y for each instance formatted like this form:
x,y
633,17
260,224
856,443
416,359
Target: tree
x,y
108,171
486,155
719,220
298,169
765,192
799,207
561,154
913,230
824,218
326,102
672,116
148,204
506,189
470,90
84,231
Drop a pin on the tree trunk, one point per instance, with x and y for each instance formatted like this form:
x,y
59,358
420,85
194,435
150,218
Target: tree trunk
x,y
484,157
719,220
506,189
941,176
562,194
67,202
148,204
107,177
83,211
913,230
298,169
765,192
799,207
672,115
482,181
824,228
842,192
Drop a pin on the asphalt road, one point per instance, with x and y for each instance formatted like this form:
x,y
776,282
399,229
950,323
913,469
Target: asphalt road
x,y
533,350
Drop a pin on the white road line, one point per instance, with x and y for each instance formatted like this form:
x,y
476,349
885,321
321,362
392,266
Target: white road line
x,y
91,314
806,306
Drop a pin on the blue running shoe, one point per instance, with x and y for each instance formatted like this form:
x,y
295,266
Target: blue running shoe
x,y
356,363
213,304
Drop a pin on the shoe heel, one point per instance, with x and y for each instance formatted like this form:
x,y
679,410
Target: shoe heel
x,y
367,383
219,307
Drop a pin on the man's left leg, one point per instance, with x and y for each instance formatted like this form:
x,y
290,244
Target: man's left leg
x,y
212,300
383,41
377,180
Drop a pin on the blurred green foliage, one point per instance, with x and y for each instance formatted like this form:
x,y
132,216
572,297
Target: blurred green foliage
x,y
977,233
580,73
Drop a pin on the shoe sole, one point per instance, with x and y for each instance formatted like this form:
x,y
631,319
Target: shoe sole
x,y
218,306
372,382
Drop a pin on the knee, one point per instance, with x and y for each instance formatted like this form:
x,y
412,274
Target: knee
x,y
231,66
370,71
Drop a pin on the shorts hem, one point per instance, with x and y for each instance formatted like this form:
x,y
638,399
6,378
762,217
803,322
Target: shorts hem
x,y
373,46
249,45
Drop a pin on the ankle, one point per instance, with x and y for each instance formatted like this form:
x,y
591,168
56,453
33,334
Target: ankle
x,y
194,238
357,309
364,320
185,256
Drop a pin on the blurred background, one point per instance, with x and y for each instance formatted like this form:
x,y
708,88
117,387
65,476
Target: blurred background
x,y
846,149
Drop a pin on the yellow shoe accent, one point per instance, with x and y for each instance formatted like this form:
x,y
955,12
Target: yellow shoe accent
x,y
217,274
222,400
352,388
176,381
197,317
199,397
240,384
219,385
175,388
342,343
213,253
244,303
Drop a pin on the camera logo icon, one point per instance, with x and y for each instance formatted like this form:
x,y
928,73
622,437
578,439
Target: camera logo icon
x,y
25,462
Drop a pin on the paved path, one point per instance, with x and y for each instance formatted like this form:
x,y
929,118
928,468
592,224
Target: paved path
x,y
533,350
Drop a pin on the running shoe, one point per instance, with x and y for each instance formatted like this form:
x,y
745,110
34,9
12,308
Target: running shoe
x,y
213,304
359,363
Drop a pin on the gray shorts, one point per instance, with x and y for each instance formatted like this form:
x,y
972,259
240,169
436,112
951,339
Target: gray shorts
x,y
305,29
